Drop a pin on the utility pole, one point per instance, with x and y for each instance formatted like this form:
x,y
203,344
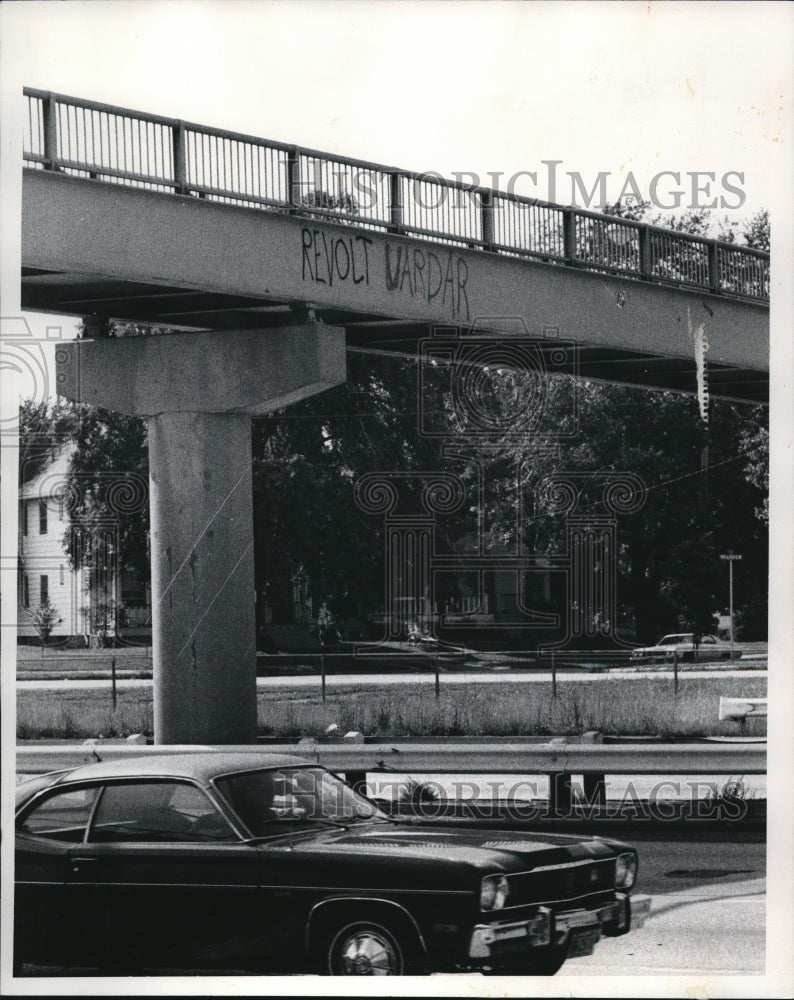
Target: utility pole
x,y
730,558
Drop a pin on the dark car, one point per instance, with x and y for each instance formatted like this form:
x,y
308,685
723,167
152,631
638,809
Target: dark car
x,y
257,862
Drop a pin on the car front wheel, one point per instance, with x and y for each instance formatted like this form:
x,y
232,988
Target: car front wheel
x,y
366,949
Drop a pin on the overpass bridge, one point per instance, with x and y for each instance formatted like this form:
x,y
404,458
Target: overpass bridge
x,y
200,229
265,263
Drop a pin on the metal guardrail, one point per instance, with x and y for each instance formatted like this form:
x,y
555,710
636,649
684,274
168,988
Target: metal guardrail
x,y
88,660
560,761
119,146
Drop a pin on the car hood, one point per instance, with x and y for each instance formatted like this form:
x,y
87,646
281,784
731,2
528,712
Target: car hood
x,y
487,850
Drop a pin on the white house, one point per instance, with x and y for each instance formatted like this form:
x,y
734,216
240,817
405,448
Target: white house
x,y
46,534
44,570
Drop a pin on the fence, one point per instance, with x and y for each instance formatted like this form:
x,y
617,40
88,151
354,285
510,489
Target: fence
x,y
118,146
96,660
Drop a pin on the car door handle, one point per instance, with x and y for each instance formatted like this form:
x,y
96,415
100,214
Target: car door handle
x,y
79,863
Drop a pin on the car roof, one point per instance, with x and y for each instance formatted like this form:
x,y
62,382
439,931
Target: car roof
x,y
200,766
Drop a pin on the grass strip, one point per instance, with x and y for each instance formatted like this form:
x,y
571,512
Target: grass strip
x,y
644,707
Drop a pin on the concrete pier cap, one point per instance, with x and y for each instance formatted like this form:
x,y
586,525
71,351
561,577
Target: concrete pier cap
x,y
198,392
227,371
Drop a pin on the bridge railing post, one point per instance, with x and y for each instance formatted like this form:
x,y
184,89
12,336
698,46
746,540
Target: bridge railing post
x,y
714,266
292,165
486,215
646,261
569,234
180,158
396,201
50,123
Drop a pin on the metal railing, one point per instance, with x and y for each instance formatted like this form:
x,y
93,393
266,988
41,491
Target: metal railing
x,y
119,146
96,660
559,761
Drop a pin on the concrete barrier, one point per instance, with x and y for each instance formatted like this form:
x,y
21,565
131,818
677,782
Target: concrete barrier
x,y
743,708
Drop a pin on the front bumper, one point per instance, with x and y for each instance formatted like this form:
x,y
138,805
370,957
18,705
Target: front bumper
x,y
576,930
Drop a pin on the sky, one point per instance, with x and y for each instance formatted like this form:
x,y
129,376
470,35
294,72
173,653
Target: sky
x,y
475,87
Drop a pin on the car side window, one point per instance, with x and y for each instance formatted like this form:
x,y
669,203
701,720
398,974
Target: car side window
x,y
157,811
61,816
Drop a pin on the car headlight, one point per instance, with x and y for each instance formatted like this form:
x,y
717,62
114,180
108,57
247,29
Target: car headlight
x,y
494,891
626,870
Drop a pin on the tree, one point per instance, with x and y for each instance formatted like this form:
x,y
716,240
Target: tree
x,y
106,487
754,232
306,463
757,232
43,429
108,491
44,620
755,445
669,572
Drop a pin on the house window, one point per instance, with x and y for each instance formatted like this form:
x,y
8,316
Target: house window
x,y
25,592
44,589
42,517
24,518
60,570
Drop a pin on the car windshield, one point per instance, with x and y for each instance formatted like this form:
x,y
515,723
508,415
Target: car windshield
x,y
674,640
264,800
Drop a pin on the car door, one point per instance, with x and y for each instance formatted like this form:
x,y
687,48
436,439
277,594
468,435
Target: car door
x,y
52,918
171,880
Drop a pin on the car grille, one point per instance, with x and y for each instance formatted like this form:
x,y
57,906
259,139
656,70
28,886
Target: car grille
x,y
562,883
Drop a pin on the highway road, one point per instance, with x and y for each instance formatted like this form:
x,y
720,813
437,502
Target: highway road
x,y
708,915
708,912
410,679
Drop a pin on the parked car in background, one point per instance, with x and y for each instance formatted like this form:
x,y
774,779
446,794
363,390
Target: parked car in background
x,y
709,647
253,861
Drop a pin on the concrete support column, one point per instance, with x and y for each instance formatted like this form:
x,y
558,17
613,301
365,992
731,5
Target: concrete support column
x,y
198,392
202,578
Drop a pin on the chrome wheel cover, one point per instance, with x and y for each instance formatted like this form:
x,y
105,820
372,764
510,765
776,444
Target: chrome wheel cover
x,y
367,952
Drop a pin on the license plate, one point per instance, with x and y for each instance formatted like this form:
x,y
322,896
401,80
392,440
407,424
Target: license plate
x,y
583,942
